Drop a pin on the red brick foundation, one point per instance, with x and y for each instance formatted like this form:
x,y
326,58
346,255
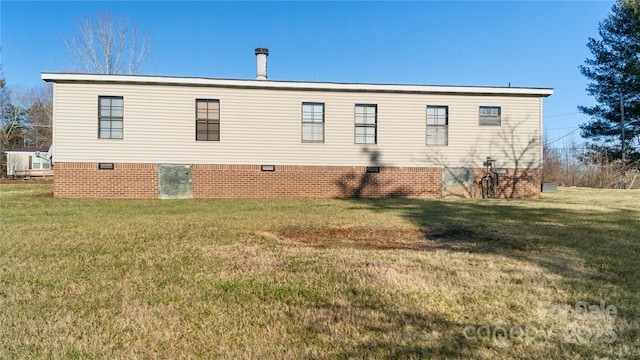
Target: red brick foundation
x,y
518,183
85,180
248,181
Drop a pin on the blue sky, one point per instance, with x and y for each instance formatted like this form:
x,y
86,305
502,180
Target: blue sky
x,y
479,43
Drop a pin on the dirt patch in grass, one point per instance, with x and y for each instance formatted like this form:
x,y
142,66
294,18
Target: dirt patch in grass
x,y
371,239
454,238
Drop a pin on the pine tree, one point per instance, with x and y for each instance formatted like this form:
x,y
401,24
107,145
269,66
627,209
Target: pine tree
x,y
614,71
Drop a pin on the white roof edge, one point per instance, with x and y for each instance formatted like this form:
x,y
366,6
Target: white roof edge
x,y
275,84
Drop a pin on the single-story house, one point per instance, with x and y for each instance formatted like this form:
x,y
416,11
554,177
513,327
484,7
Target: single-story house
x,y
132,136
27,162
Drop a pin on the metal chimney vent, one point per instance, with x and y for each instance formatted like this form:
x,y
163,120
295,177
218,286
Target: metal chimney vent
x,y
261,63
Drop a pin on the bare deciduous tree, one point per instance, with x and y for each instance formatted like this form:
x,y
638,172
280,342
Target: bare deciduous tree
x,y
25,118
12,124
39,116
107,44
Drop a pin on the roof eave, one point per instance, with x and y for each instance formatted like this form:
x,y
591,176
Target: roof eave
x,y
292,85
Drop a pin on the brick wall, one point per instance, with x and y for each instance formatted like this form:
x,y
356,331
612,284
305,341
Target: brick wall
x,y
518,183
84,180
232,181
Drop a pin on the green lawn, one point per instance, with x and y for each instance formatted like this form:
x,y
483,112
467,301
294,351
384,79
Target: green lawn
x,y
291,279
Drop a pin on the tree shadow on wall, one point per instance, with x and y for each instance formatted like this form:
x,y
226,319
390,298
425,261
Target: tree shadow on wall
x,y
370,181
508,146
519,153
515,152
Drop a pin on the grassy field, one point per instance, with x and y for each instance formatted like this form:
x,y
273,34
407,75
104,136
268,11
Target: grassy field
x,y
554,278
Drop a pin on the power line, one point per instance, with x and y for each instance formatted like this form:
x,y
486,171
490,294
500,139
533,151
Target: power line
x,y
570,148
562,137
561,128
559,115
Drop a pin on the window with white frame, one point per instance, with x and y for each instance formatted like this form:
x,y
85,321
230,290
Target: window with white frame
x,y
490,115
38,163
312,122
110,117
437,125
366,116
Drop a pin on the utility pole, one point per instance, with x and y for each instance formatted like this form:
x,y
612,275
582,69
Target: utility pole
x,y
622,181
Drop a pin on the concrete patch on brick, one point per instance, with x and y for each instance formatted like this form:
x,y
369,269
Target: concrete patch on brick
x,y
457,182
175,182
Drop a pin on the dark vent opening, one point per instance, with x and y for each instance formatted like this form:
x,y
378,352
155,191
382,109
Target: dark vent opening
x,y
106,166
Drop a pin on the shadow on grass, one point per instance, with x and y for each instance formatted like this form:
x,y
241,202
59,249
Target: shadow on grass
x,y
384,340
384,333
595,252
607,240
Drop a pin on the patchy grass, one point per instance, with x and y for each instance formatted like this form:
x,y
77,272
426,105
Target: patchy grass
x,y
293,279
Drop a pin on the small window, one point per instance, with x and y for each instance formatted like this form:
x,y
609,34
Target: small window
x,y
366,124
313,122
207,120
437,125
490,115
110,117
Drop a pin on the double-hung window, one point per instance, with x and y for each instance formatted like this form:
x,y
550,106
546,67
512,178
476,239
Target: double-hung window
x,y
437,124
312,122
207,120
490,115
110,117
366,123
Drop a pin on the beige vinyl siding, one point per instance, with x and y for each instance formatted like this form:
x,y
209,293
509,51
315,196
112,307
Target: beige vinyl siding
x,y
263,126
